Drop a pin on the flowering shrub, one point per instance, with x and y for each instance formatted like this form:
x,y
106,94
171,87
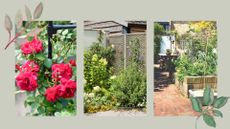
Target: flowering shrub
x,y
50,84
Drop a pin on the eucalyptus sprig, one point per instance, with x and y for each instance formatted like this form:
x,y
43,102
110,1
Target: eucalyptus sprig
x,y
209,107
19,20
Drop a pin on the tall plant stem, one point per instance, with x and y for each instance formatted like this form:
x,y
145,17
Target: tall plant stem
x,y
205,59
197,121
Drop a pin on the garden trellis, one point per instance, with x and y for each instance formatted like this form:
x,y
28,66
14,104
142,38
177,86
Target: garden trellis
x,y
121,44
52,29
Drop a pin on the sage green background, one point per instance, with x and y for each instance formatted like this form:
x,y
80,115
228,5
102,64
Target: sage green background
x,y
149,10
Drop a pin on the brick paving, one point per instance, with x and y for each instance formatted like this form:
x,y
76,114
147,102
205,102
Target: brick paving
x,y
168,101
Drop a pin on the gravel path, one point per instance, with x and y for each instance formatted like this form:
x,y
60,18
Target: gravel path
x,y
119,113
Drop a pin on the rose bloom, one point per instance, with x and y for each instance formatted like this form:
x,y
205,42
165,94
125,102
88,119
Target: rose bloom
x,y
51,93
17,67
34,46
29,66
72,62
68,88
27,81
61,71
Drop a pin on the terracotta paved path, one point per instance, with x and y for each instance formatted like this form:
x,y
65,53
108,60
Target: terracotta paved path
x,y
169,102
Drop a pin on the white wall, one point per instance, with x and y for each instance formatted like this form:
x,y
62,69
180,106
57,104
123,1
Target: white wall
x,y
91,36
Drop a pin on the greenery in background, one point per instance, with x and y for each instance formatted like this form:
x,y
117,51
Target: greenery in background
x,y
64,49
105,91
158,32
97,71
201,56
129,87
209,108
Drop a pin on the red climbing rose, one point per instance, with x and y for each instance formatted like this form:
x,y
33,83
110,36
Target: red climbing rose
x,y
61,71
29,66
68,88
72,62
52,93
34,46
27,81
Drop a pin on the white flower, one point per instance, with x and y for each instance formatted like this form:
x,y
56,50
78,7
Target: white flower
x,y
84,81
113,77
91,95
97,88
214,50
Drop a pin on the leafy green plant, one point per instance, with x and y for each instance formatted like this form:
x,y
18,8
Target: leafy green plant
x,y
98,61
209,108
96,72
129,87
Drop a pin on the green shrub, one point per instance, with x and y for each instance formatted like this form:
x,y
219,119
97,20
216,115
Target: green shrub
x,y
129,88
96,72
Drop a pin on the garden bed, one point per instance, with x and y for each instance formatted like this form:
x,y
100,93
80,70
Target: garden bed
x,y
196,83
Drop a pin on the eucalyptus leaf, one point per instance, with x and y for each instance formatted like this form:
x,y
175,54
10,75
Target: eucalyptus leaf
x,y
217,113
28,13
208,96
38,10
209,120
196,104
8,24
18,19
220,102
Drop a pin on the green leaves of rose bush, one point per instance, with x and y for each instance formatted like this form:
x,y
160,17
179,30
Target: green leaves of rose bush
x,y
209,108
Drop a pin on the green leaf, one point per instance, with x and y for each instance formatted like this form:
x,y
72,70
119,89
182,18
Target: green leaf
x,y
30,99
60,59
40,56
30,38
220,102
64,113
41,109
217,113
48,63
209,120
59,106
196,104
34,106
38,10
65,32
208,96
